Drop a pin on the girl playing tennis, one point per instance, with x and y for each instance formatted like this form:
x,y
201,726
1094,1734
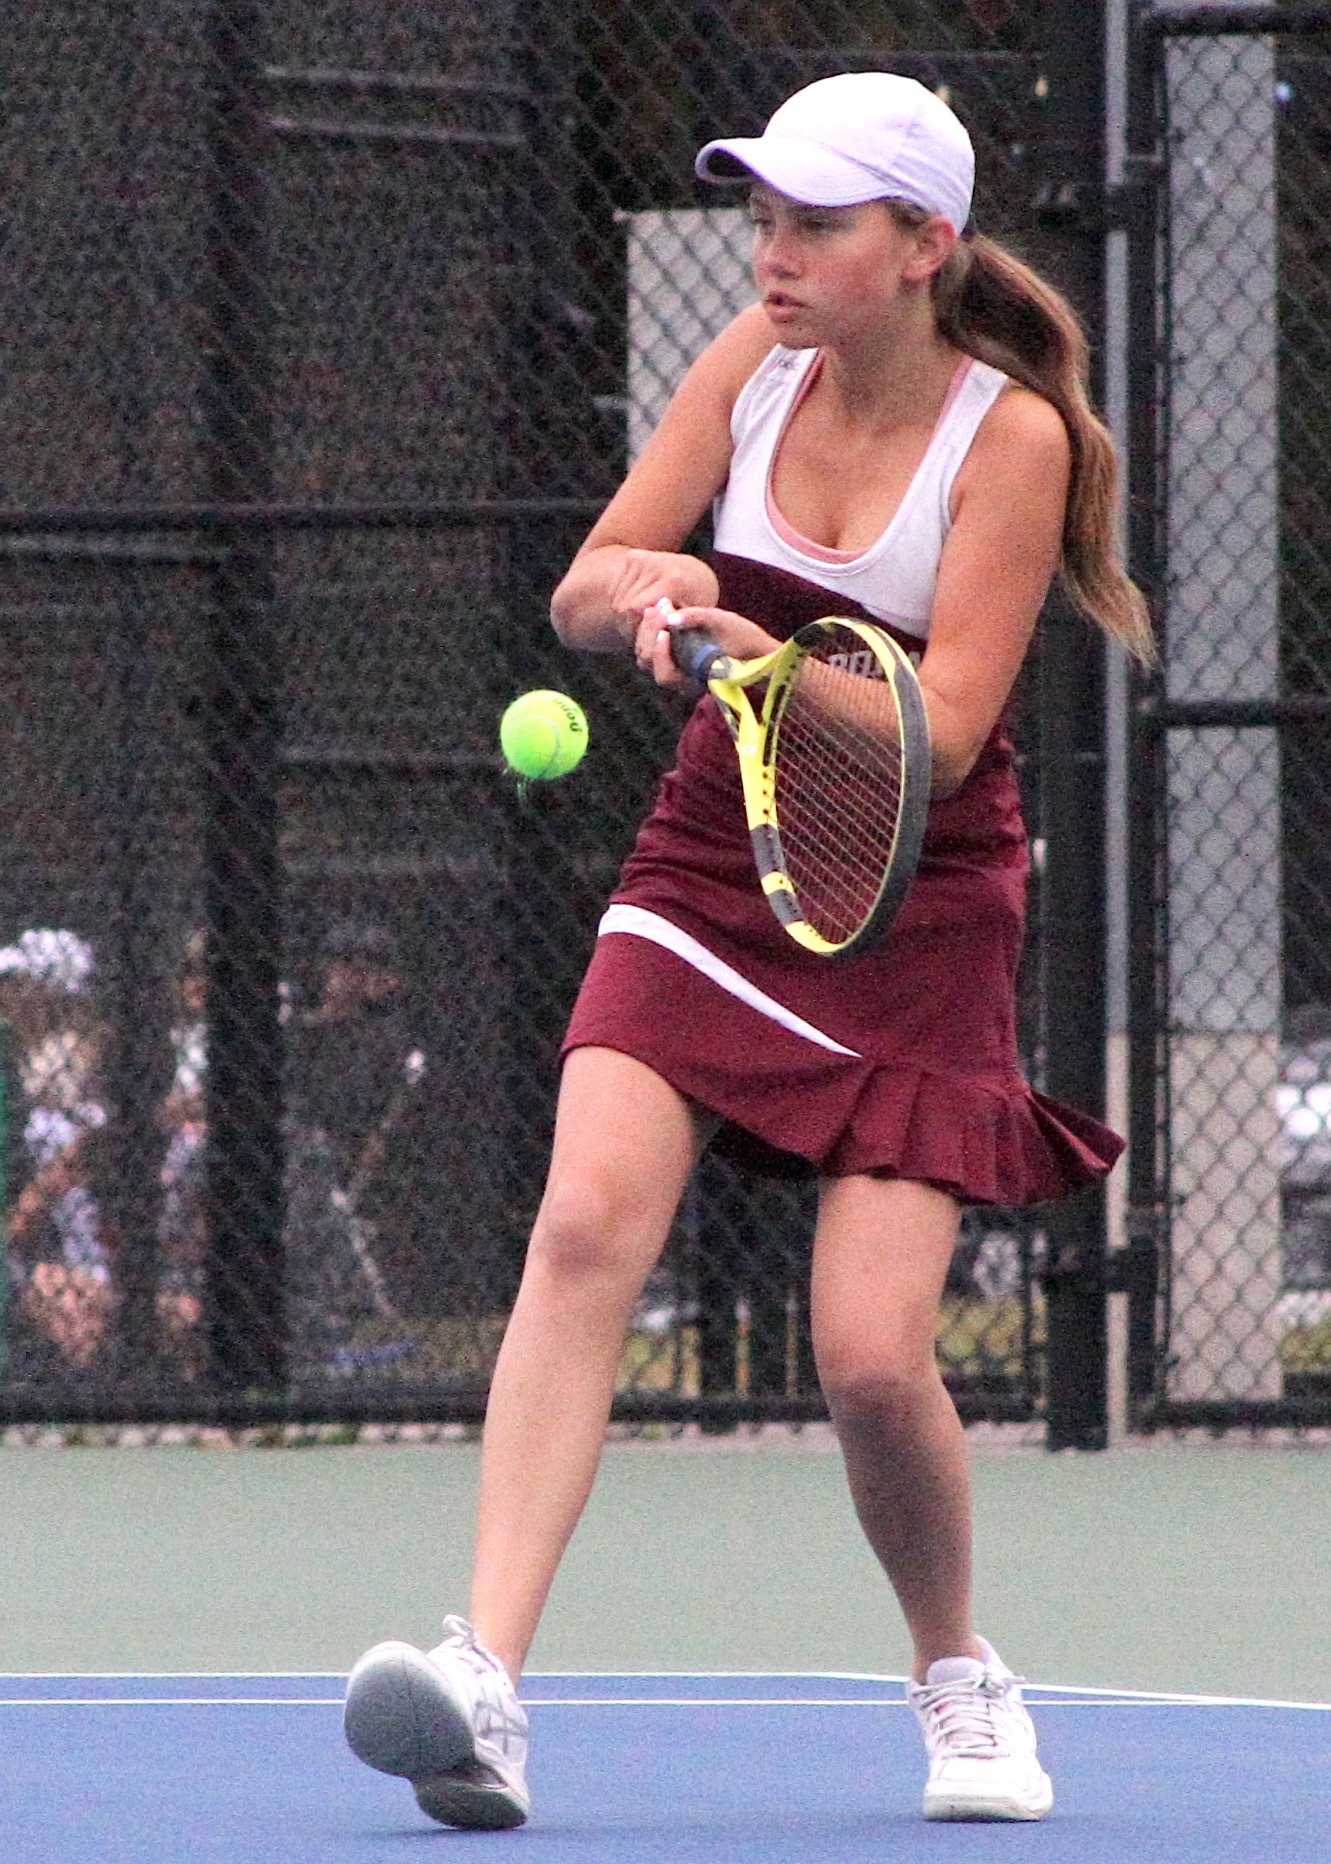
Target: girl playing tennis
x,y
898,431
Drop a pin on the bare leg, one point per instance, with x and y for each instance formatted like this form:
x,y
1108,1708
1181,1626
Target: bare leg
x,y
880,1257
625,1143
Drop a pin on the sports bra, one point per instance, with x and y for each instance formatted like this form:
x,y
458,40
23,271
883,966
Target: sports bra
x,y
894,577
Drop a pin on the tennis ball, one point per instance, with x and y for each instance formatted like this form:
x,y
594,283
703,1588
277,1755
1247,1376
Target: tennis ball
x,y
543,734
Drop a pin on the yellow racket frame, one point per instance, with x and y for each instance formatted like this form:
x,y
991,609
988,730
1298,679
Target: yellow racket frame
x,y
757,736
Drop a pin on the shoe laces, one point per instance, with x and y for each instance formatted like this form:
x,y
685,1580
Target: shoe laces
x,y
499,1716
964,1717
461,1638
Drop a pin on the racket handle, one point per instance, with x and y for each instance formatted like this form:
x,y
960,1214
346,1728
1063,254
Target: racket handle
x,y
695,656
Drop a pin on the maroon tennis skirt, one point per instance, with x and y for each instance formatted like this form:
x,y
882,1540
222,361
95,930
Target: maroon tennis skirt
x,y
901,1063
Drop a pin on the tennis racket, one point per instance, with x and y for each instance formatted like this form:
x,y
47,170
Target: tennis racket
x,y
833,747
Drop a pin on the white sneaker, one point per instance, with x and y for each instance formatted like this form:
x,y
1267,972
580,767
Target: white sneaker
x,y
980,1741
448,1720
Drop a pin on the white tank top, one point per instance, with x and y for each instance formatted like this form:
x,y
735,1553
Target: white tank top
x,y
894,578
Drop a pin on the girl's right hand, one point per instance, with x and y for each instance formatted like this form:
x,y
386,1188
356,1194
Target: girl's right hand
x,y
734,634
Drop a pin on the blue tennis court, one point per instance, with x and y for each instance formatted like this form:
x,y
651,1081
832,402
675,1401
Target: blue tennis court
x,y
726,1769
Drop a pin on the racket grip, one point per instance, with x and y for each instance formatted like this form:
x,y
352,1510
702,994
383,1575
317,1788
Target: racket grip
x,y
695,656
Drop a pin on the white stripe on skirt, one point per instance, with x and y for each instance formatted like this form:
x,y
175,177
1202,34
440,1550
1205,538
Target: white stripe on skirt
x,y
642,924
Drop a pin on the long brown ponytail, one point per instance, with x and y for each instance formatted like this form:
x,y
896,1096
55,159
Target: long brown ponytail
x,y
992,306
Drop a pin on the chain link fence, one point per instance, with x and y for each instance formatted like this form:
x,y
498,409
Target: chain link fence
x,y
329,329
1244,1320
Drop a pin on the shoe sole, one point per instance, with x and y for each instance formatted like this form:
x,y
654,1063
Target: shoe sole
x,y
475,1805
974,1808
400,1717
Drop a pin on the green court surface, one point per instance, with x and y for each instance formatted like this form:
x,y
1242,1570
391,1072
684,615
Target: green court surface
x,y
1165,1567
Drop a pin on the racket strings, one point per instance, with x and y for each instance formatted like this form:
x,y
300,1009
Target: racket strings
x,y
839,792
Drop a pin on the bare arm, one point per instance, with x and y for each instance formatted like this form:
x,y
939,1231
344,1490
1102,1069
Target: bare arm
x,y
632,555
994,574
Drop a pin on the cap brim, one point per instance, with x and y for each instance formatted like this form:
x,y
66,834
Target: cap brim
x,y
805,171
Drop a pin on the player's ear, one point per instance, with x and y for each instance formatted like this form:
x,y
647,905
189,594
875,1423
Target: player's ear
x,y
935,240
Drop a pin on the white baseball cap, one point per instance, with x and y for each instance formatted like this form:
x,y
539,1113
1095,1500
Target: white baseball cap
x,y
861,136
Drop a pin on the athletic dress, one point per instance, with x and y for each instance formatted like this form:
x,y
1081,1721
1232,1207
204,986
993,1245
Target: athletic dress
x,y
903,1062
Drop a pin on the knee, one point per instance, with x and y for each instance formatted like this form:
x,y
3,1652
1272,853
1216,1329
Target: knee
x,y
581,1234
876,1388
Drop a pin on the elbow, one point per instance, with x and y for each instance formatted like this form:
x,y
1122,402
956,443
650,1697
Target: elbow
x,y
578,617
956,738
581,618
563,615
950,765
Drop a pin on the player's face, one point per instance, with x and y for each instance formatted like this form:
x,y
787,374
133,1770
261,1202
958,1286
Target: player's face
x,y
827,275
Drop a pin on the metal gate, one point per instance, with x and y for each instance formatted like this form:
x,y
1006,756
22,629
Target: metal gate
x,y
1229,1253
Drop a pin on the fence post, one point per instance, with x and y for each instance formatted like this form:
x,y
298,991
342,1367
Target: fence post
x,y
1147,904
128,1152
4,1195
244,1272
1070,205
1230,551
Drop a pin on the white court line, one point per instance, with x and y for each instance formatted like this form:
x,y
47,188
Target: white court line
x,y
170,1702
129,1676
1065,1695
1146,1698
1103,1701
606,1702
1093,1692
533,1676
530,1702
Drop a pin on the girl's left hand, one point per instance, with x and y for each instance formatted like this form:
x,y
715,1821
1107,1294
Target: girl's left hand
x,y
739,637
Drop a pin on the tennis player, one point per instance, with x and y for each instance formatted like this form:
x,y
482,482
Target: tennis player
x,y
898,431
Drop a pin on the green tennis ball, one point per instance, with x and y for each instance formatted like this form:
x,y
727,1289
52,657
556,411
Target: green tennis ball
x,y
543,734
